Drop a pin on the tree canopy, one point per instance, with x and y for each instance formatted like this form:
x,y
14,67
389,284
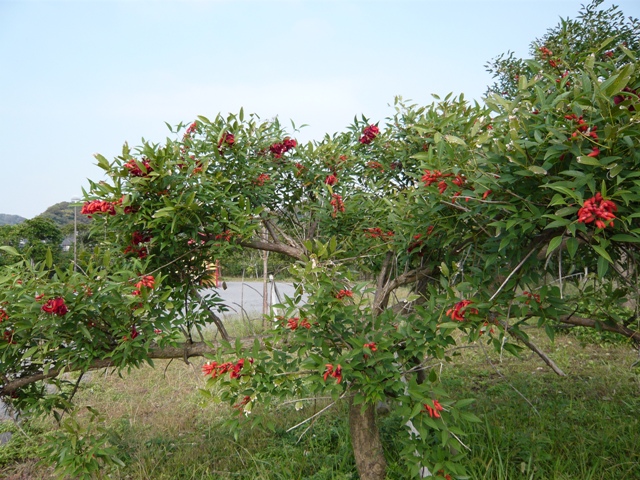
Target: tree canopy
x,y
523,209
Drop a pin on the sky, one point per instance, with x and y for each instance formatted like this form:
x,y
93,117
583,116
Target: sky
x,y
83,77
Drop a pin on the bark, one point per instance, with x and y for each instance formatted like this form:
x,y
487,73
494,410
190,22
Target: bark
x,y
365,440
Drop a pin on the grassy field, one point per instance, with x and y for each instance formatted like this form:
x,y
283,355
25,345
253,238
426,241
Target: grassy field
x,y
536,425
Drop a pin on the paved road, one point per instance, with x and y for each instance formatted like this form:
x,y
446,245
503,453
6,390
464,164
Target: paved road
x,y
248,295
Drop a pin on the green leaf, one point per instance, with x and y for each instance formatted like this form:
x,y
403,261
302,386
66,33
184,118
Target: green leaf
x,y
420,156
585,160
537,170
10,250
454,139
553,244
623,237
572,246
602,252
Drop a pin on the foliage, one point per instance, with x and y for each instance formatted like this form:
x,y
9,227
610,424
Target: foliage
x,y
486,211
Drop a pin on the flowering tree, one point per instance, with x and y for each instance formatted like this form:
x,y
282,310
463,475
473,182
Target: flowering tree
x,y
485,213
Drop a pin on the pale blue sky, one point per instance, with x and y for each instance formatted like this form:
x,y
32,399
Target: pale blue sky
x,y
80,77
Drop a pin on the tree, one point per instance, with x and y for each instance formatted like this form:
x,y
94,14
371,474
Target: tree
x,y
487,212
35,236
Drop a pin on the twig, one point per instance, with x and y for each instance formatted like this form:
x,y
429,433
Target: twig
x,y
531,252
317,413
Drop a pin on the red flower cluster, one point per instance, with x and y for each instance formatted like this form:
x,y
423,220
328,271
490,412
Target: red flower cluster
x,y
279,149
3,315
135,170
146,281
599,210
429,178
331,179
377,232
191,129
227,139
535,296
294,322
263,177
434,412
8,337
100,206
371,346
376,165
226,236
134,247
459,180
564,75
301,168
55,306
215,370
582,128
368,134
330,372
629,93
460,309
344,293
337,204
418,241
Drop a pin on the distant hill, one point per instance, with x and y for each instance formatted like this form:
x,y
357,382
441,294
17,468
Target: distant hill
x,y
6,219
62,214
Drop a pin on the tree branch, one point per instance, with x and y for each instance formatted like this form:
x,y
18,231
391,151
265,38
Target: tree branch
x,y
197,349
293,252
615,328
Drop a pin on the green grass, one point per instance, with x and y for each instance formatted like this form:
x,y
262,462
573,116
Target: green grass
x,y
535,425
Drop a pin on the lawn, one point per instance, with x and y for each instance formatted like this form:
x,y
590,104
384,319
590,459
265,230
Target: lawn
x,y
535,425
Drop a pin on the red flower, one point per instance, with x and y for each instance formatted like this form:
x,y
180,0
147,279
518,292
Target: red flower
x,y
8,336
55,306
594,153
134,332
304,323
371,346
375,165
263,177
146,281
3,315
433,411
459,310
337,204
486,194
429,177
535,296
191,129
209,368
289,143
368,134
226,138
459,180
442,186
135,170
292,323
344,293
99,206
377,232
331,372
331,179
597,210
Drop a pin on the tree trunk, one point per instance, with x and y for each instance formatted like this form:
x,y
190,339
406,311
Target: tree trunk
x,y
365,439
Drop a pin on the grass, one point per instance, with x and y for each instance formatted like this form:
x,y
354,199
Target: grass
x,y
535,425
